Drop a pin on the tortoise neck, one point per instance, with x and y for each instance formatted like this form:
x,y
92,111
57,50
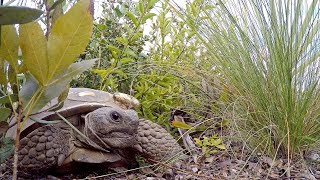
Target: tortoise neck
x,y
93,140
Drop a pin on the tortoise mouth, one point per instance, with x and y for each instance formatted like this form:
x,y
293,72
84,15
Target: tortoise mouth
x,y
120,134
119,139
117,134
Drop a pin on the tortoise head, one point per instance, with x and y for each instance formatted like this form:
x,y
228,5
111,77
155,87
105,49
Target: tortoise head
x,y
112,127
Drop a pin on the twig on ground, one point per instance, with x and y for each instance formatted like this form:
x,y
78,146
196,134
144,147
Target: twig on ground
x,y
187,140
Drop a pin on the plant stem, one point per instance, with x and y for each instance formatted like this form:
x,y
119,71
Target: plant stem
x,y
20,124
16,145
47,18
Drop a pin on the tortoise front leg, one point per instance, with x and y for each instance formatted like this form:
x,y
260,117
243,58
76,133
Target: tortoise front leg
x,y
156,143
43,149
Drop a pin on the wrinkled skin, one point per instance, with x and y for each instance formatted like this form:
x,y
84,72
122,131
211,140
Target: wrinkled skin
x,y
112,127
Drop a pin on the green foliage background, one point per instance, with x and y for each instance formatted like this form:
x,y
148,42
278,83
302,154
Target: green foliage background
x,y
163,68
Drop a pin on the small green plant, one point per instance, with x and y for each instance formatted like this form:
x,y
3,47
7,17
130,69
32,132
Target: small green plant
x,y
45,69
210,145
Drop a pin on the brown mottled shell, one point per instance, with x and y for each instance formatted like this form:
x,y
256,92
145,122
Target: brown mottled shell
x,y
78,101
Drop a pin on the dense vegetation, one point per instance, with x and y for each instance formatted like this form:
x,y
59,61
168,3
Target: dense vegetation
x,y
163,68
267,53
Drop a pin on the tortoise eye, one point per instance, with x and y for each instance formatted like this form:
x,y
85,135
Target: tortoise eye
x,y
115,116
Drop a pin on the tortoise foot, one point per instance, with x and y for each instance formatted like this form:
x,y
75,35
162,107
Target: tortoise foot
x,y
43,148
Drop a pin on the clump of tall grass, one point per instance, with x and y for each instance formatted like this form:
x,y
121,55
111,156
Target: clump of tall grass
x,y
268,52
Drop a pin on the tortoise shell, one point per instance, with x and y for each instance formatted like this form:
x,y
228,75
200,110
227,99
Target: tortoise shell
x,y
79,101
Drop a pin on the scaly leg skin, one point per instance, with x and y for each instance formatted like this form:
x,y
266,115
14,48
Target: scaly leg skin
x,y
156,143
43,149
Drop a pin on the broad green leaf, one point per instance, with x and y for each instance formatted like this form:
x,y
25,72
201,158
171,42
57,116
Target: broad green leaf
x,y
204,148
113,48
141,9
54,88
59,84
6,148
100,72
18,15
29,90
114,55
209,7
101,27
103,73
126,60
151,3
33,44
214,136
69,37
9,46
122,40
198,141
121,73
215,142
4,113
147,16
131,53
136,36
118,12
211,152
132,18
205,141
194,9
6,99
181,125
221,146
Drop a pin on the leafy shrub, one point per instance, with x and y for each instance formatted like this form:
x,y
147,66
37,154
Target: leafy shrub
x,y
118,42
155,75
46,67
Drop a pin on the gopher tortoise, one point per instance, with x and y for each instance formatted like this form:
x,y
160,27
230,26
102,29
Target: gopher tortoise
x,y
107,130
